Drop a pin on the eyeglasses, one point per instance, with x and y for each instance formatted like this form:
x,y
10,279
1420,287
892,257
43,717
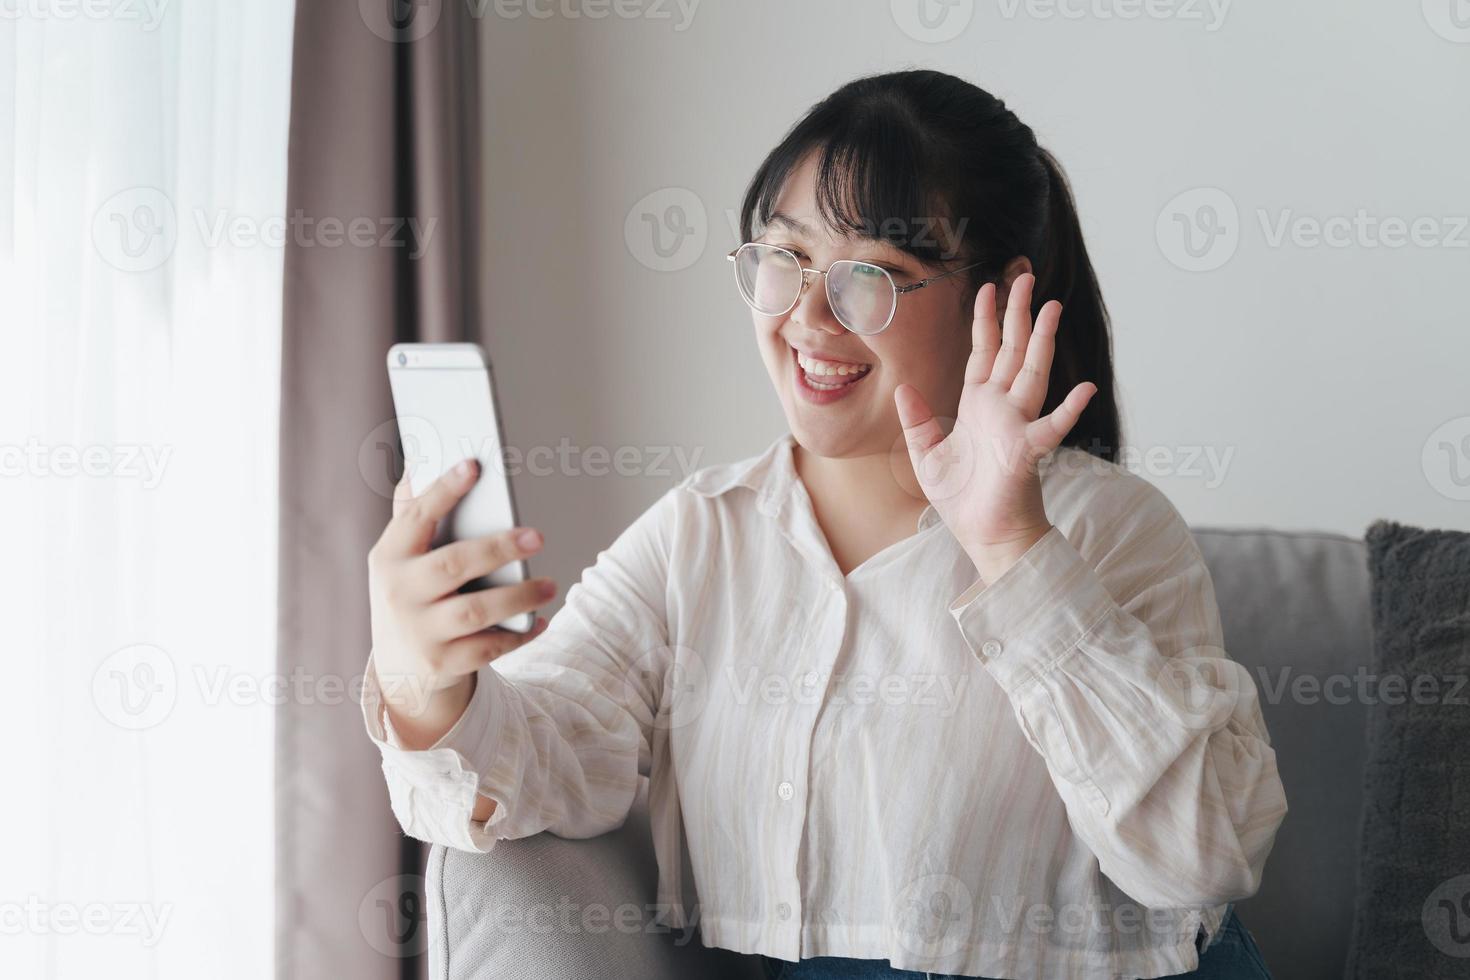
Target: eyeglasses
x,y
863,296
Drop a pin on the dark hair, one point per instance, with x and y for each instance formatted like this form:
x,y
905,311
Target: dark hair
x,y
906,153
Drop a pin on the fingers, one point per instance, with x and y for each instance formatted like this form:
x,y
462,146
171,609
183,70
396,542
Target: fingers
x,y
403,489
464,615
1047,432
1029,388
984,337
921,430
414,518
469,653
445,569
1017,330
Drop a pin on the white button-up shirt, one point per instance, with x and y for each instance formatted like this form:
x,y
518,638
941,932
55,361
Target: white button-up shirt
x,y
1057,774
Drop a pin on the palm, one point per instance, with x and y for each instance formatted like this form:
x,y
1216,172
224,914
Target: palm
x,y
982,477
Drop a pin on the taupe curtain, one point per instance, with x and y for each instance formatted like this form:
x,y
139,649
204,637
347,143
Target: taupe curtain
x,y
381,209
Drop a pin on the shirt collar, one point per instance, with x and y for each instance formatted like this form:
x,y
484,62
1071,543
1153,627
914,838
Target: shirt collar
x,y
772,476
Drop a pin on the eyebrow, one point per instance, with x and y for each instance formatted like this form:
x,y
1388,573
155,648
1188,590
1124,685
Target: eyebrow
x,y
897,257
782,218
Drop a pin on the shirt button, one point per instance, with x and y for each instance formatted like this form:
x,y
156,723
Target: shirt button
x,y
991,648
810,678
783,911
785,790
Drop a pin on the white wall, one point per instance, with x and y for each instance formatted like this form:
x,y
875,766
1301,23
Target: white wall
x,y
1315,374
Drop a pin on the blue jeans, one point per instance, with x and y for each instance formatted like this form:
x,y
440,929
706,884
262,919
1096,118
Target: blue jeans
x,y
1233,956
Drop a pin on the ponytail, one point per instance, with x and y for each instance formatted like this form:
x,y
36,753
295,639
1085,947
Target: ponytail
x,y
1065,274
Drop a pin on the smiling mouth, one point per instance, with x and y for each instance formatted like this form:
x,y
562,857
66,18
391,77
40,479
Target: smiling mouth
x,y
820,375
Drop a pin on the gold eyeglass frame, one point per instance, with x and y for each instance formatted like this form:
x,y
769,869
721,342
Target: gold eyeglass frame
x,y
897,289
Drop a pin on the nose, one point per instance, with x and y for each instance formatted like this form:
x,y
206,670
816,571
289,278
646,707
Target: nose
x,y
812,308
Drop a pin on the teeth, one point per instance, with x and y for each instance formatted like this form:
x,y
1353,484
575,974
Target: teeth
x,y
820,369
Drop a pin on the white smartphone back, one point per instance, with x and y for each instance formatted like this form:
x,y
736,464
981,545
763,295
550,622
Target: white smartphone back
x,y
444,397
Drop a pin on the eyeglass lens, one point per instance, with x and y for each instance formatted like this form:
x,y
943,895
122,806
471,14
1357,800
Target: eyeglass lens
x,y
861,294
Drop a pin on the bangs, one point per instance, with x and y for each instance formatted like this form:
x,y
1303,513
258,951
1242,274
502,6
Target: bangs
x,y
873,181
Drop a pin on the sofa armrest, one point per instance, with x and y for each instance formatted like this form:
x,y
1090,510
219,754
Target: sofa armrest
x,y
549,908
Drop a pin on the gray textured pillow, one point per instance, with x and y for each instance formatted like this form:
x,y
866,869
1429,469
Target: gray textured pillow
x,y
1413,910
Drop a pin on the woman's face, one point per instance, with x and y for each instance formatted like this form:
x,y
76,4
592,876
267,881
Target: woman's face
x,y
926,345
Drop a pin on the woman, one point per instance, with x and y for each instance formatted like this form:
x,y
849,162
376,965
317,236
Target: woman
x,y
914,697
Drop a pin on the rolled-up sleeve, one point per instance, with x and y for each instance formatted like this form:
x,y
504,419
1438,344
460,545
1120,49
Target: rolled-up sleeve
x,y
1111,655
558,731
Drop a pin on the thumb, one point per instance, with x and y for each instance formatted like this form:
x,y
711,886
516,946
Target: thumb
x,y
921,431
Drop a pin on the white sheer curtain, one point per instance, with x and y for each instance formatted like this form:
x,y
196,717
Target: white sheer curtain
x,y
143,195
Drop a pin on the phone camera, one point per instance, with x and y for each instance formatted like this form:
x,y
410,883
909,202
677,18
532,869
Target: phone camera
x,y
402,358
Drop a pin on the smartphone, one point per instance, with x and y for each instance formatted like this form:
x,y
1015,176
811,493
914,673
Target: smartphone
x,y
444,398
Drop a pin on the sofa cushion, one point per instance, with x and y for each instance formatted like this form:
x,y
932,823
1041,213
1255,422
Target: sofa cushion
x,y
549,908
1294,608
1413,914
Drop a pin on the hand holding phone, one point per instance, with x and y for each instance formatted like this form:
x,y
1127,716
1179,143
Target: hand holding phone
x,y
429,638
440,610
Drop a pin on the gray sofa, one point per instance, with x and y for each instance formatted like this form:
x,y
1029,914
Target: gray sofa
x,y
1293,605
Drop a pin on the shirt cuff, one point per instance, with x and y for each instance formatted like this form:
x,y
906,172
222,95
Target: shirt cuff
x,y
447,766
1031,618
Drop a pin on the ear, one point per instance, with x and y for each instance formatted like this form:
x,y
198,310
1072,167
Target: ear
x,y
1018,266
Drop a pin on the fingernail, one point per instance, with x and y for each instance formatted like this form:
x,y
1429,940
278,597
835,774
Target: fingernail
x,y
464,467
547,590
529,539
